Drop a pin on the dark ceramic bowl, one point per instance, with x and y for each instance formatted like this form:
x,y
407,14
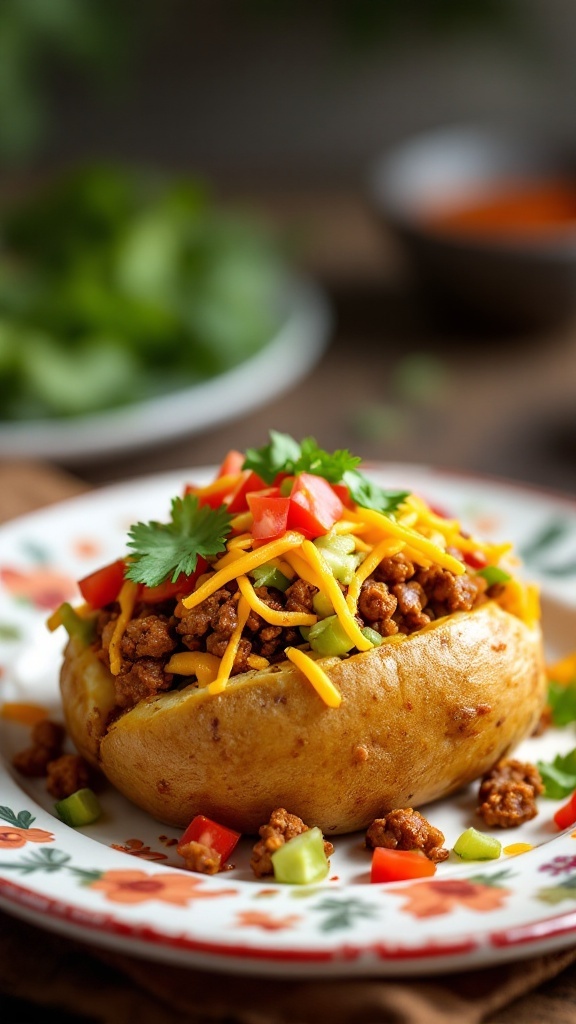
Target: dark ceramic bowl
x,y
522,282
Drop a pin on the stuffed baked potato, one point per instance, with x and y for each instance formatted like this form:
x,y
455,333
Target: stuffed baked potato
x,y
214,692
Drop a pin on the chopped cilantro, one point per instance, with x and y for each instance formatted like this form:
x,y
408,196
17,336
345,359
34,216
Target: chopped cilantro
x,y
562,702
284,455
332,467
369,495
559,775
279,456
165,550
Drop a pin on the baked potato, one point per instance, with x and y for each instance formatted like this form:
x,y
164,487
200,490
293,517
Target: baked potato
x,y
419,718
414,699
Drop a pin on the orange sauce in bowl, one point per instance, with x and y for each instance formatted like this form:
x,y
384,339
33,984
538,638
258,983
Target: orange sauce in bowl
x,y
511,210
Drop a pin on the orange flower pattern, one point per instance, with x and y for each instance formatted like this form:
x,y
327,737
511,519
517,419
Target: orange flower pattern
x,y
175,888
269,923
11,838
436,898
45,588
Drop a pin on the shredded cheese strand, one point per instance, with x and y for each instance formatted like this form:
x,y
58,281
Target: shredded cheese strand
x,y
126,600
302,569
450,529
195,663
256,662
242,566
221,483
242,522
272,615
317,676
227,662
413,538
243,540
386,548
230,558
335,595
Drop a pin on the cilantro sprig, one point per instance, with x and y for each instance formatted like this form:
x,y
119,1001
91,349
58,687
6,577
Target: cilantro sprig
x,y
285,455
559,775
162,551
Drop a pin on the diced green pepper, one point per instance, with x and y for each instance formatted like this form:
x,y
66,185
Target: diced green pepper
x,y
338,550
339,543
328,638
268,575
372,635
77,627
81,808
301,861
322,605
474,845
493,574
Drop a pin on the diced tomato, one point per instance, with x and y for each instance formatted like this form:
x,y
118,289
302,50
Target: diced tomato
x,y
314,506
396,865
475,559
566,815
231,464
344,494
270,511
183,585
249,482
103,586
217,837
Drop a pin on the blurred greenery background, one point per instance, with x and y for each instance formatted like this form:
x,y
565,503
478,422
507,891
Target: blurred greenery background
x,y
283,105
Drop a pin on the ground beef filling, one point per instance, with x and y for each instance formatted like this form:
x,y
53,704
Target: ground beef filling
x,y
400,597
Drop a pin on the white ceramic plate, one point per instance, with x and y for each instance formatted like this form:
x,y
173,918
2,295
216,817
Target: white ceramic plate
x,y
119,882
288,356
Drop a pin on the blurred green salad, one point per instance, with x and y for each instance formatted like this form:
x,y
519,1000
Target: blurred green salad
x,y
115,287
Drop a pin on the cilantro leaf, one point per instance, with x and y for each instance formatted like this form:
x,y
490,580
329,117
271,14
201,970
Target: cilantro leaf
x,y
559,775
165,550
562,702
369,495
331,466
279,456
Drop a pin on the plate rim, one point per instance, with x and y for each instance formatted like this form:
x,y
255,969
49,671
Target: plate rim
x,y
294,348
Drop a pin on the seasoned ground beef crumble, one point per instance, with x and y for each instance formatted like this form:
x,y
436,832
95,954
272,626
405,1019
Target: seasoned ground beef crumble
x,y
399,597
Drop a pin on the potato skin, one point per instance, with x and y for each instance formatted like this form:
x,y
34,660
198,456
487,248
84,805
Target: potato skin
x,y
420,717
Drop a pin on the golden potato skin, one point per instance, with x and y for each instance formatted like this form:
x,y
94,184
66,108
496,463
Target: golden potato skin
x,y
420,717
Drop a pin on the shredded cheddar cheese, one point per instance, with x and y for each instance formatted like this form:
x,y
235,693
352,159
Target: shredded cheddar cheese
x,y
522,600
126,600
195,663
391,527
243,540
227,662
332,590
271,615
229,558
563,671
386,548
302,568
23,713
317,676
242,566
258,663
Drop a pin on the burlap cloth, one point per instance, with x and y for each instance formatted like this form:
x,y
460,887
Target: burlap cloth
x,y
45,977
